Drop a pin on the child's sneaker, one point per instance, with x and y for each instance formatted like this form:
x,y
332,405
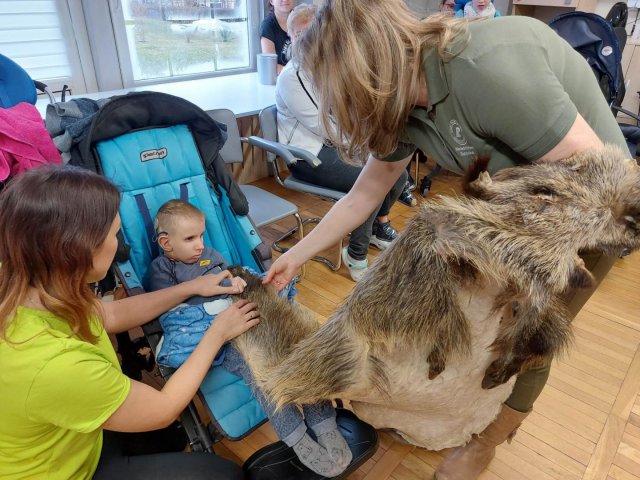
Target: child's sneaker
x,y
408,198
357,268
383,234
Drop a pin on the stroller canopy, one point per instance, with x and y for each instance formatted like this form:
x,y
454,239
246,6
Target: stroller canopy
x,y
145,110
595,39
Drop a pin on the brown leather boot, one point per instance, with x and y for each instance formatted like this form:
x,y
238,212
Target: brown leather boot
x,y
468,462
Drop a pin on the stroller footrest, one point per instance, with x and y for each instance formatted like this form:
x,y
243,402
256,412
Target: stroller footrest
x,y
279,462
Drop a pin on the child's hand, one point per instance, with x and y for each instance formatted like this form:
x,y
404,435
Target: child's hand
x,y
209,285
235,320
237,285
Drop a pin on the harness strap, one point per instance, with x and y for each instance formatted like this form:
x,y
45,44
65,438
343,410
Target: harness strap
x,y
184,192
148,223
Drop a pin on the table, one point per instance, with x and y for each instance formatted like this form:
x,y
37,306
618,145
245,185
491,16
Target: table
x,y
243,94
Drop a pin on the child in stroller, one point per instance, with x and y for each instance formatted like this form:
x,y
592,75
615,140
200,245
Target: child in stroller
x,y
475,8
180,227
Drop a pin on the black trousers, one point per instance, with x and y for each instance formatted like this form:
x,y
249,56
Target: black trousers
x,y
338,175
159,455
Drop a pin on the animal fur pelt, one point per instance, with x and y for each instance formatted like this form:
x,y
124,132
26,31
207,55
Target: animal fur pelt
x,y
429,342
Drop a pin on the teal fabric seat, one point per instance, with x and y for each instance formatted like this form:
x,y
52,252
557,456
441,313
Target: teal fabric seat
x,y
153,166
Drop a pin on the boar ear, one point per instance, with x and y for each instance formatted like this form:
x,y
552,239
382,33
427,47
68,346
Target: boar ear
x,y
472,175
480,187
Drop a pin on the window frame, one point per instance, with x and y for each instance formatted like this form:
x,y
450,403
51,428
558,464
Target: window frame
x,y
125,67
81,76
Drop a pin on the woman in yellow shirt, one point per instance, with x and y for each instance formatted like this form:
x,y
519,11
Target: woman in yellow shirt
x,y
60,381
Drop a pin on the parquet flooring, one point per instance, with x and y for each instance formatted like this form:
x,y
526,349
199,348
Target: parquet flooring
x,y
586,423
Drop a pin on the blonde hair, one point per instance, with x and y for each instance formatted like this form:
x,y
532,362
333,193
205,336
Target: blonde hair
x,y
366,59
301,14
171,211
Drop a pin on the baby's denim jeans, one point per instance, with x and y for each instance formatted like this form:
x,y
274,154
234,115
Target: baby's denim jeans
x,y
183,329
185,325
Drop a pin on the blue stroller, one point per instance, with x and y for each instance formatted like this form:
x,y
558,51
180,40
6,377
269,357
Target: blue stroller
x,y
601,44
156,147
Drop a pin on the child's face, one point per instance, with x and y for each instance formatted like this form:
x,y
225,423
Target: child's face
x,y
480,5
185,241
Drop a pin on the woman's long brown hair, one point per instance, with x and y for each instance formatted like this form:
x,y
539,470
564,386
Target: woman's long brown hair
x,y
52,220
365,57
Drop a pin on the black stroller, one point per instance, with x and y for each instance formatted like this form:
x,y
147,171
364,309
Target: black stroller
x,y
601,44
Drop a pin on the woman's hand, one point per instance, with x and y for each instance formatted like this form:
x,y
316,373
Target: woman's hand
x,y
209,285
235,320
283,270
146,408
373,183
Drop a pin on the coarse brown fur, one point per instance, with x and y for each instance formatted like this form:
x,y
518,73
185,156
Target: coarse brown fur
x,y
283,325
514,238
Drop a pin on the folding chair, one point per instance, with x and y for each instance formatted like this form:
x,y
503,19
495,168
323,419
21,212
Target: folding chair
x,y
264,207
268,118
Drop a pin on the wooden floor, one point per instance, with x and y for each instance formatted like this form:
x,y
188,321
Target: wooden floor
x,y
586,423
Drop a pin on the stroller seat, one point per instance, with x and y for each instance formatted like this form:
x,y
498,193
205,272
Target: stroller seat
x,y
156,147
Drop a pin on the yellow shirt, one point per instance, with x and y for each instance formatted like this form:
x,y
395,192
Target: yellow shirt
x,y
55,392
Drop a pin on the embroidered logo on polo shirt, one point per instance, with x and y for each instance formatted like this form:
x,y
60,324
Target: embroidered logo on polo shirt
x,y
456,132
204,263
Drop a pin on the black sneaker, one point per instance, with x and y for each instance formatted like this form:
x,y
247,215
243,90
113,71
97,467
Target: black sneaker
x,y
407,198
383,234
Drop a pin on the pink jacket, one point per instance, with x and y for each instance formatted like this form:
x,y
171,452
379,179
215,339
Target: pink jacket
x,y
24,141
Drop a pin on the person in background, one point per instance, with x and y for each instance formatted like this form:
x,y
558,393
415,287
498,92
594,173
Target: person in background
x,y
447,7
67,410
478,8
299,125
274,35
393,83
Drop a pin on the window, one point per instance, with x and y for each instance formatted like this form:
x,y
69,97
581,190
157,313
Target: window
x,y
165,39
36,34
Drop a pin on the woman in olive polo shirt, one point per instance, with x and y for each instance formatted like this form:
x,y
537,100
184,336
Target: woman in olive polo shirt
x,y
508,89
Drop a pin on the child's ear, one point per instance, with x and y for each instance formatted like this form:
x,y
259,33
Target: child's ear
x,y
165,243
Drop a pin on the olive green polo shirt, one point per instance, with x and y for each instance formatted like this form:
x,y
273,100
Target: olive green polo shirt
x,y
510,93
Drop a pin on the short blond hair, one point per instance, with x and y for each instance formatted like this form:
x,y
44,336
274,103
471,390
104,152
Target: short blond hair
x,y
301,14
173,210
